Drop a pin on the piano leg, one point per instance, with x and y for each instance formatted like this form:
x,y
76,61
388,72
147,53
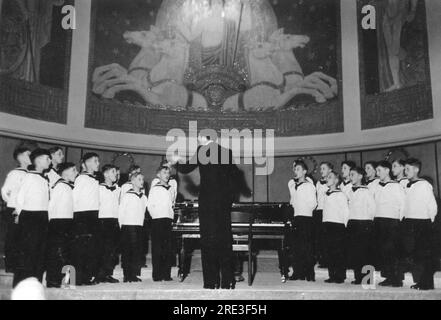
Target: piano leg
x,y
182,255
283,262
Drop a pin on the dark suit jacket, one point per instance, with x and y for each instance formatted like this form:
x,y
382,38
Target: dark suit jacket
x,y
215,195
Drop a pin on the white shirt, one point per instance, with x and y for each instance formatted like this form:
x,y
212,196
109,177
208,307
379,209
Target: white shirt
x,y
322,188
389,200
109,201
61,202
126,187
346,188
361,204
86,195
420,201
303,198
403,182
174,190
33,194
160,201
373,185
132,209
12,184
53,177
336,208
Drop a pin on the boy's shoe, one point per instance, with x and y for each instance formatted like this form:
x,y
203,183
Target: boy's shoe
x,y
421,287
339,281
330,280
107,279
168,279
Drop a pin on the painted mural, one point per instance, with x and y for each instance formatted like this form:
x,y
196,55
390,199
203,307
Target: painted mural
x,y
395,65
34,59
262,63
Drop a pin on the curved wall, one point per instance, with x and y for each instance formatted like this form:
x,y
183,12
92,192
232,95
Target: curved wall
x,y
354,138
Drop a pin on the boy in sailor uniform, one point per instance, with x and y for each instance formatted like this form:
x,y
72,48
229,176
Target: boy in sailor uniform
x,y
131,216
335,219
346,185
160,204
360,225
389,206
86,201
32,210
321,187
60,224
9,193
128,185
420,211
372,181
398,167
304,201
108,231
57,156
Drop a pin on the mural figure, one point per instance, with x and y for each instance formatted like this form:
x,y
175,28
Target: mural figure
x,y
396,14
192,35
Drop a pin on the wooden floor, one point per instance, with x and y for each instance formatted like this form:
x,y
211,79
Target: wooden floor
x,y
266,286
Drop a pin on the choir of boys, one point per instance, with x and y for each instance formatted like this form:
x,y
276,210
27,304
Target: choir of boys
x,y
9,193
75,220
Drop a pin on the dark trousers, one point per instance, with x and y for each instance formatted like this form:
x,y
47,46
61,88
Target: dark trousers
x,y
217,266
108,241
131,250
58,249
162,248
32,237
11,240
84,246
387,244
317,234
335,259
302,247
146,238
417,241
359,246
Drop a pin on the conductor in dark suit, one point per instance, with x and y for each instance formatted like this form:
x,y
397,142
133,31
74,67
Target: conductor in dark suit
x,y
216,170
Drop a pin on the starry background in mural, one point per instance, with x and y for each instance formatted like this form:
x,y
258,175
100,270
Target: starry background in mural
x,y
316,18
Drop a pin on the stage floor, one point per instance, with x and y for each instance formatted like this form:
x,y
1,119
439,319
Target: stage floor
x,y
266,286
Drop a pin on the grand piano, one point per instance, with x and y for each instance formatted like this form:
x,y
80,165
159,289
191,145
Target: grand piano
x,y
251,222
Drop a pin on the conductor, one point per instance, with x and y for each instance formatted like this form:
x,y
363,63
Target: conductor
x,y
216,170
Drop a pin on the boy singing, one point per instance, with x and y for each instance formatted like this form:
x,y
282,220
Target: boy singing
x,y
346,185
160,205
322,187
419,213
304,201
360,225
131,219
335,219
60,224
389,199
32,210
109,194
86,201
399,174
57,157
9,193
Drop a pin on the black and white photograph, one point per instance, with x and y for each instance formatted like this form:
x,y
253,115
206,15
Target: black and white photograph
x,y
226,154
